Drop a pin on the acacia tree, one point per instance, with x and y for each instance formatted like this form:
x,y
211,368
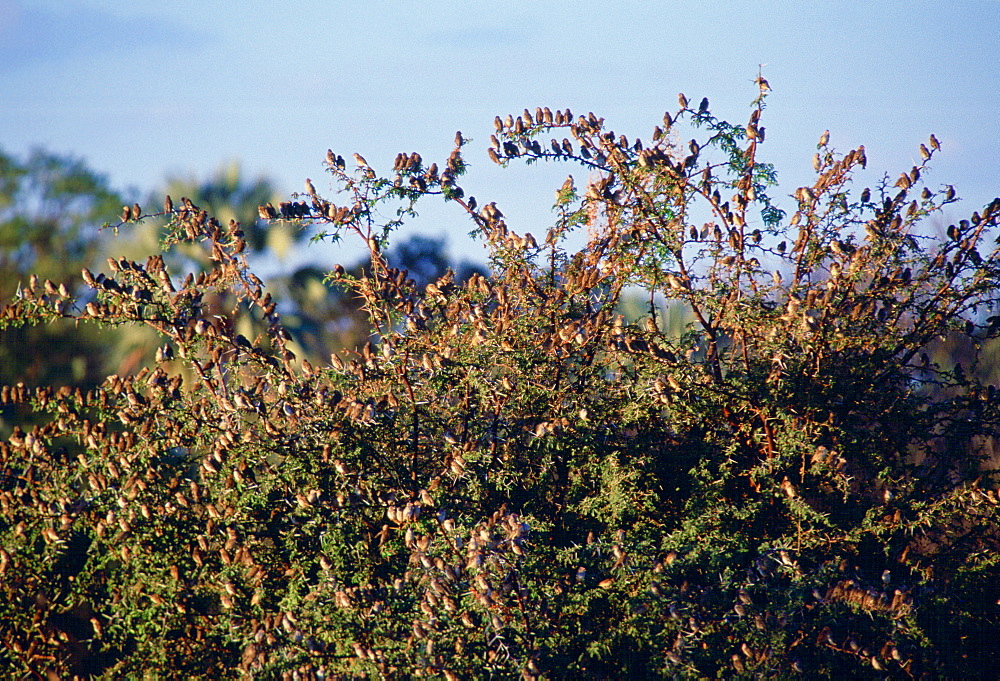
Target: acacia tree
x,y
509,479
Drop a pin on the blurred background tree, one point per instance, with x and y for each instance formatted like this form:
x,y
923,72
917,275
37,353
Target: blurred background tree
x,y
51,211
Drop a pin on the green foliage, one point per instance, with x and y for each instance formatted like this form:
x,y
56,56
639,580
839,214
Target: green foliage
x,y
510,478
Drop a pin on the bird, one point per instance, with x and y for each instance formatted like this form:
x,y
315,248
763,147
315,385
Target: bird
x,y
310,189
703,107
682,100
567,186
360,160
168,205
824,139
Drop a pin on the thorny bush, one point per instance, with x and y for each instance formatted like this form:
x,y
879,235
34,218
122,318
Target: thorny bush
x,y
510,479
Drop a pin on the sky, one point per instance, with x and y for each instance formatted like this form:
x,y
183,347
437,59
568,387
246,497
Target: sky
x,y
144,90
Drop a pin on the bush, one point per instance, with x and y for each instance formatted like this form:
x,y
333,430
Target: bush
x,y
509,478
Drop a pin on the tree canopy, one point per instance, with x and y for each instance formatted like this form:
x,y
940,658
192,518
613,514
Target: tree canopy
x,y
509,478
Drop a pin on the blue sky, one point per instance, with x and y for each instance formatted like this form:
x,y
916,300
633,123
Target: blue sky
x,y
142,90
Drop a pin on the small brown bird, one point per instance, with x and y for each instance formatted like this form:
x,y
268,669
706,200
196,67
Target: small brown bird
x,y
682,101
360,160
310,189
136,211
168,204
824,139
126,213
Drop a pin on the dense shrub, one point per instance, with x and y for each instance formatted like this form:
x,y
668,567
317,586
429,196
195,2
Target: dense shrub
x,y
510,479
